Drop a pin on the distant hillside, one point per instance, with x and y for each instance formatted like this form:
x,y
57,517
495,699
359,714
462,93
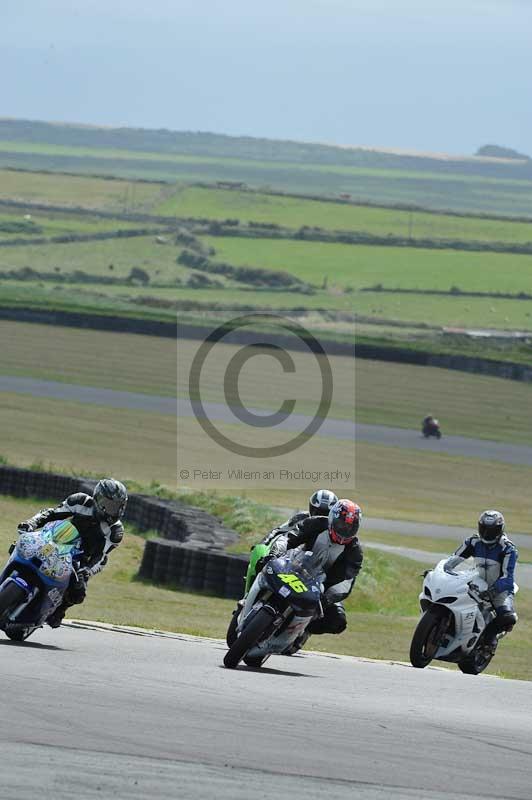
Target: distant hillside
x,y
496,151
245,147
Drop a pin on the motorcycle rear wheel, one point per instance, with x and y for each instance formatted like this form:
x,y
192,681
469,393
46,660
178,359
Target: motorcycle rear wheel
x,y
426,638
11,596
248,638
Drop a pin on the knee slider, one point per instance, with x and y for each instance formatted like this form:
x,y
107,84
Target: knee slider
x,y
339,625
505,622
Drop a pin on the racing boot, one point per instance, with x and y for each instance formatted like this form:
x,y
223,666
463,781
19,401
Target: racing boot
x,y
56,617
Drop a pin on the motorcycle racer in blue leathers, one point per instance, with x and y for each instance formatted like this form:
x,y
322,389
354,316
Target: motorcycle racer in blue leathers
x,y
495,558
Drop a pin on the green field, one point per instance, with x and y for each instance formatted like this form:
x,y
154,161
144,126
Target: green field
x,y
343,266
111,257
430,189
395,267
194,201
509,173
389,482
346,269
78,191
385,393
54,224
213,304
382,610
463,184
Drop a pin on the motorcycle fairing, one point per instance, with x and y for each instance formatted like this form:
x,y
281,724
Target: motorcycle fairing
x,y
41,564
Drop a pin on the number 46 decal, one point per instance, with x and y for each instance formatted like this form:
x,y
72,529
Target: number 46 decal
x,y
293,581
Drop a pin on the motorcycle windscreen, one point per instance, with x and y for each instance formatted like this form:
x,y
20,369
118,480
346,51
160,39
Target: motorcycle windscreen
x,y
62,532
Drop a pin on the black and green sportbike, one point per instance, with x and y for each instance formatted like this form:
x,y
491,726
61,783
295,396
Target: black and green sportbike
x,y
283,599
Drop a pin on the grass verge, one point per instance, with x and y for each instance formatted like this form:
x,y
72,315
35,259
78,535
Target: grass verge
x,y
388,481
399,395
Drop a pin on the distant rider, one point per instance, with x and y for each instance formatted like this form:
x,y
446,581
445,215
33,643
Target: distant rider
x,y
495,557
97,519
336,534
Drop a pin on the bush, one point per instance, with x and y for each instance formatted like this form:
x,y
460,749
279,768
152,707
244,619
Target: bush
x,y
138,275
22,226
256,276
199,281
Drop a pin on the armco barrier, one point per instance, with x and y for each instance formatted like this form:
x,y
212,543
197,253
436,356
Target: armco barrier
x,y
190,553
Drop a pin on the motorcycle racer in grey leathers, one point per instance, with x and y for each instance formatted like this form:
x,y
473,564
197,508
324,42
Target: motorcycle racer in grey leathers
x,y
97,519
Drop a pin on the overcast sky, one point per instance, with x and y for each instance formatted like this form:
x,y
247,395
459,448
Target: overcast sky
x,y
430,75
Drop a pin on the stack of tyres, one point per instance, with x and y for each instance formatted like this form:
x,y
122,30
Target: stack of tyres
x,y
194,569
176,564
162,557
148,559
215,569
235,574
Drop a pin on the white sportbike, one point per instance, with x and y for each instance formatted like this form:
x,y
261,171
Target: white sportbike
x,y
455,610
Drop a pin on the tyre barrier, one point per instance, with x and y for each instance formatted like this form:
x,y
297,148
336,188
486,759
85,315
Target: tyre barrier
x,y
189,552
173,563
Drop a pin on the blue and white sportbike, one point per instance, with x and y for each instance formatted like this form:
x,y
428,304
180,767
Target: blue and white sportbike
x,y
35,578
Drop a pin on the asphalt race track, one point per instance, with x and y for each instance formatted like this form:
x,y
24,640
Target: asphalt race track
x,y
97,713
334,428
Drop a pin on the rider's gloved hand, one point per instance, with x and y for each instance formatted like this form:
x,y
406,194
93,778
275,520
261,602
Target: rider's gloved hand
x,y
83,574
25,527
278,548
481,594
261,563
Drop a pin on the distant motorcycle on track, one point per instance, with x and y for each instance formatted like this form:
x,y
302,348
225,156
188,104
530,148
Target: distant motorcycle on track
x,y
454,618
431,427
284,598
36,576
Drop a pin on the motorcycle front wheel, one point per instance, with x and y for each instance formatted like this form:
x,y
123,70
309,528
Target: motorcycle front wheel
x,y
249,637
230,636
11,596
427,637
18,634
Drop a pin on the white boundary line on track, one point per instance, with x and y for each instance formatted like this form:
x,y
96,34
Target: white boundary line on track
x,y
85,624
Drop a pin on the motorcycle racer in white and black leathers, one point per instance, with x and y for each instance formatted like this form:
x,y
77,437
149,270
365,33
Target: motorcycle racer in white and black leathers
x,y
335,536
97,519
